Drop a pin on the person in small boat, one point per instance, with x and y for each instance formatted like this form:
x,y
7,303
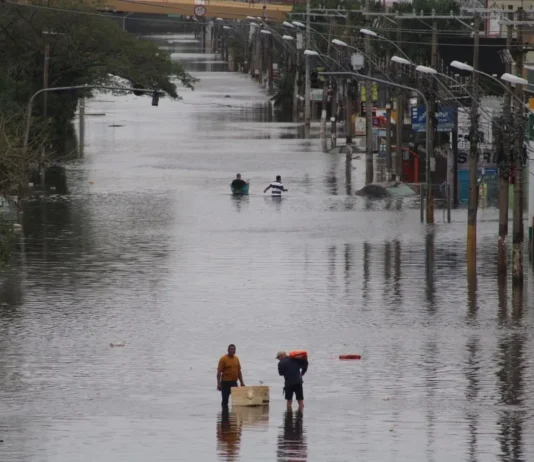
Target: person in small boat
x,y
238,184
277,187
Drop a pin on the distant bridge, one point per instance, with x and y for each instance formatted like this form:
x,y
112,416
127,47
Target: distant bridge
x,y
211,8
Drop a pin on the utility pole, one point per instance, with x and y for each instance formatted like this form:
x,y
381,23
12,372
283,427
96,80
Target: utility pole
x,y
81,120
388,127
270,63
333,117
45,108
473,164
504,165
430,159
348,121
369,173
307,92
348,114
400,117
324,106
518,230
296,82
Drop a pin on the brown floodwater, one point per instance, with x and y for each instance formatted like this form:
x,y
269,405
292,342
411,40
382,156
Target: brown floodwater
x,y
148,247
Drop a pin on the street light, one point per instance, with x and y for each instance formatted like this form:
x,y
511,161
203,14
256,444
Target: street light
x,y
462,66
399,60
298,24
288,37
368,32
267,32
251,18
426,70
514,79
288,24
227,28
310,53
340,43
219,19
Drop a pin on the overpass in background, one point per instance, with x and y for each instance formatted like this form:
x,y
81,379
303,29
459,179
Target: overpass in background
x,y
211,8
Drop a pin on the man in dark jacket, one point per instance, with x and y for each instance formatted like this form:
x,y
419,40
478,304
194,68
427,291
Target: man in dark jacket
x,y
238,184
293,370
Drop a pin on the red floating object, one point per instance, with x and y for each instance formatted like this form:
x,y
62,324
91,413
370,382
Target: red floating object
x,y
350,357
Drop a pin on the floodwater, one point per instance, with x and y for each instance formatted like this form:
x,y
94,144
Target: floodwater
x,y
148,247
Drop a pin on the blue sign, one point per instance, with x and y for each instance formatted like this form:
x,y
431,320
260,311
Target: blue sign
x,y
445,116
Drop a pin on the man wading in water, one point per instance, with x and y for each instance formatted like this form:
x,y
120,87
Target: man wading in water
x,y
277,187
228,373
293,370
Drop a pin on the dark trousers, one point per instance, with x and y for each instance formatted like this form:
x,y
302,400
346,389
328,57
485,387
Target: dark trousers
x,y
226,391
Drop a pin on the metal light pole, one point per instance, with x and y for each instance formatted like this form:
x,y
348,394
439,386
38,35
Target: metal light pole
x,y
76,87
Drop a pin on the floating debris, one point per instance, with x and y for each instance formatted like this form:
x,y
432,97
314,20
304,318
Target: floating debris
x,y
117,344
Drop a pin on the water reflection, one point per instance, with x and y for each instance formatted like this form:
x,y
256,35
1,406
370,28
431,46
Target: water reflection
x,y
254,418
431,385
429,271
472,303
239,202
472,393
292,445
366,272
397,274
229,429
511,359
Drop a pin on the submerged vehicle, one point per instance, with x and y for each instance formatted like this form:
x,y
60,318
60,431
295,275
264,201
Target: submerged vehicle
x,y
387,189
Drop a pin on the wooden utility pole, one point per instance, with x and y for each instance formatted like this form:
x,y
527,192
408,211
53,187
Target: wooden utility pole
x,y
400,117
504,165
369,173
518,231
473,164
430,158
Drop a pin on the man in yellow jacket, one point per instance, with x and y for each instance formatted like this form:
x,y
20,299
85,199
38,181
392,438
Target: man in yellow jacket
x,y
228,373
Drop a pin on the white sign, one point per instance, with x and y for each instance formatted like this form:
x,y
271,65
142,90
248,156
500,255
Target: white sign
x,y
316,94
359,126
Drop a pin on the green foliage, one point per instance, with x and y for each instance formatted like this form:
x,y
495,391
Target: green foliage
x,y
283,100
7,239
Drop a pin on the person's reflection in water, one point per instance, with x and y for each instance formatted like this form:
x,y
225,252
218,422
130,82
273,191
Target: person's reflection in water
x,y
228,435
239,201
291,441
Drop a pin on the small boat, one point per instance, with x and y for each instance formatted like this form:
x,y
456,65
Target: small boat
x,y
240,192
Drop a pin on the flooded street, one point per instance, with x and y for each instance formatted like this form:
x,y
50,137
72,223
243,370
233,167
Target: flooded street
x,y
149,247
